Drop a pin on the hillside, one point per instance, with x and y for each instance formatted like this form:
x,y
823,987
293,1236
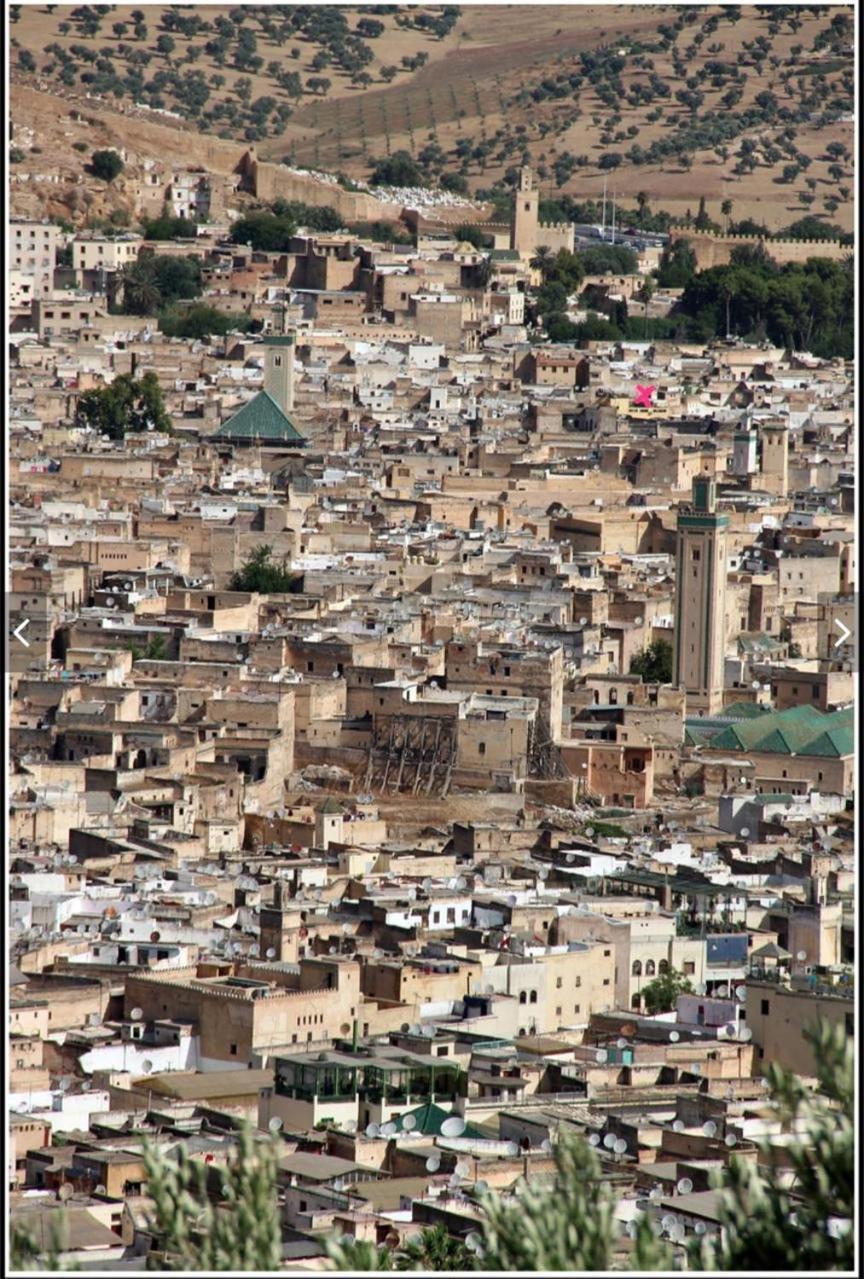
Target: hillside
x,y
746,105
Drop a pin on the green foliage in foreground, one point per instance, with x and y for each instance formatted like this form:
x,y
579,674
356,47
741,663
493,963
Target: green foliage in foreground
x,y
202,321
568,1224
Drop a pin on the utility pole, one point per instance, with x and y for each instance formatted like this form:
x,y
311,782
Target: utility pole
x,y
613,217
603,227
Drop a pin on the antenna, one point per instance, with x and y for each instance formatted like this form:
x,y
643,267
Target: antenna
x,y
613,217
603,227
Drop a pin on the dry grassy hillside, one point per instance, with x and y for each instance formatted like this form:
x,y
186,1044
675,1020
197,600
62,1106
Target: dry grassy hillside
x,y
739,103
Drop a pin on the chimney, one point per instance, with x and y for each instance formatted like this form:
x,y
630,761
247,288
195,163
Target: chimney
x,y
279,370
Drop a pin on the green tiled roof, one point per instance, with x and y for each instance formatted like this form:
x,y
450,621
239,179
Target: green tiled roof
x,y
800,730
260,419
428,1120
744,710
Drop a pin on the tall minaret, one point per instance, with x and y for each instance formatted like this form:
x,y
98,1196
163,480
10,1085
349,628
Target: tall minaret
x,y
700,601
526,205
279,370
775,457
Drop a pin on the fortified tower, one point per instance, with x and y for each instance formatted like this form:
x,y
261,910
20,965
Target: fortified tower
x,y
526,204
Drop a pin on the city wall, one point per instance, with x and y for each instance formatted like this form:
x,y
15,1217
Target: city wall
x,y
712,249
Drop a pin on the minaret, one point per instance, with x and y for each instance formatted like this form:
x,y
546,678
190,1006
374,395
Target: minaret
x,y
744,452
526,204
700,601
775,457
279,370
280,928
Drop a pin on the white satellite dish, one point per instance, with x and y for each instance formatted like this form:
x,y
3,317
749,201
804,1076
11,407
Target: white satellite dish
x,y
593,1139
709,1128
674,1036
147,1065
609,1141
454,1126
372,1130
409,1123
136,1014
685,1185
433,1163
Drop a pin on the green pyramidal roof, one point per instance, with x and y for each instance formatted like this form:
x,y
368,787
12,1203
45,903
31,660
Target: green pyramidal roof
x,y
260,420
800,730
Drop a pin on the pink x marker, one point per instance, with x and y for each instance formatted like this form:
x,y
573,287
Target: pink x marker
x,y
643,396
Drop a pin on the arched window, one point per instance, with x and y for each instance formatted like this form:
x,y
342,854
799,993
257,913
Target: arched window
x,y
532,998
523,998
636,1000
649,968
637,968
663,966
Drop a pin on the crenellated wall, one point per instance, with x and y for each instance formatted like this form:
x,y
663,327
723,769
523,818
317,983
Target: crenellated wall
x,y
715,249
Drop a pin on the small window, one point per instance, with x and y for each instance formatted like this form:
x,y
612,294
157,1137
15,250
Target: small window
x,y
481,748
233,1050
765,1007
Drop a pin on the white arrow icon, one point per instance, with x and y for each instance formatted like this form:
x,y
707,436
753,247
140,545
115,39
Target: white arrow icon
x,y
846,632
22,626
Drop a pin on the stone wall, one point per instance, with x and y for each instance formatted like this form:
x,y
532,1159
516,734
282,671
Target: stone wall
x,y
275,181
712,249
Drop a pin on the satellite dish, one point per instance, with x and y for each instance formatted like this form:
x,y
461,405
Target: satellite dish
x,y
685,1185
65,1192
801,956
674,1036
462,1169
146,1065
136,1014
511,1149
372,1130
388,1129
678,1126
474,1241
409,1123
621,1043
746,1034
609,1141
709,1128
101,1190
546,1145
741,992
593,1139
433,1163
620,1146
454,1126
601,1056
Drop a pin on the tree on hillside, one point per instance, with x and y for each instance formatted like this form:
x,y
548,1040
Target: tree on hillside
x,y
106,165
266,232
397,170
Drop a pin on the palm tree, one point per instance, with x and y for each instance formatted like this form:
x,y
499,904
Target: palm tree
x,y
434,1249
141,295
726,210
727,293
542,260
644,294
642,204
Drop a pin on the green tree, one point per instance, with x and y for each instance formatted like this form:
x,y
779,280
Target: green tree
x,y
201,322
659,995
770,1221
654,663
803,1223
726,211
196,1233
106,165
127,405
261,575
397,170
434,1249
266,232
